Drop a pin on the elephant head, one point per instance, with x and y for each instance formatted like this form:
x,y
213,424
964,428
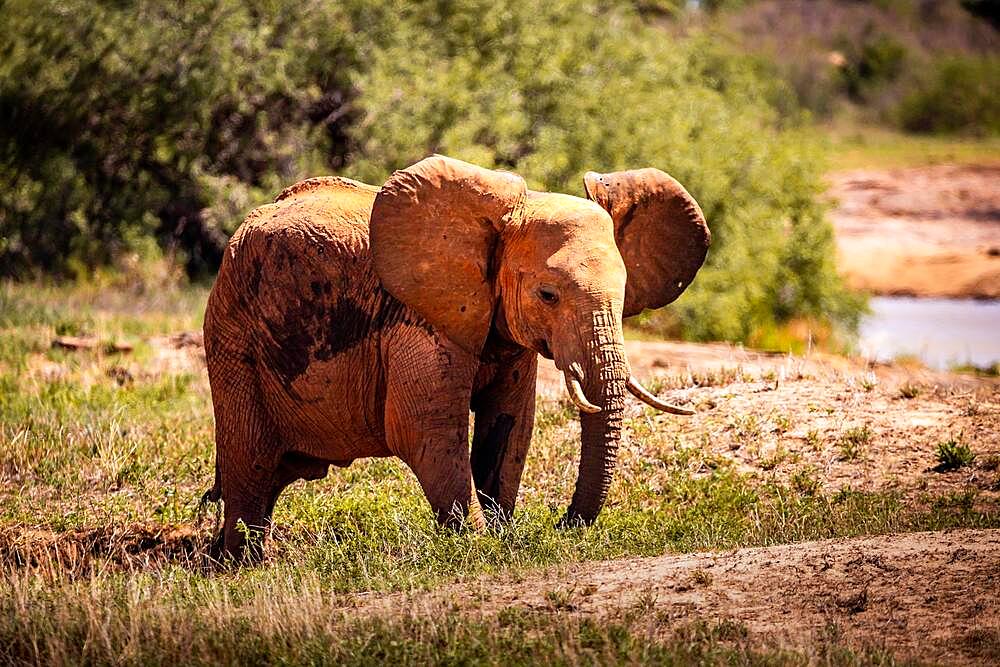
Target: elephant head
x,y
472,249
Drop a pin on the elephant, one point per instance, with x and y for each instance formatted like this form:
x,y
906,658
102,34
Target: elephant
x,y
350,321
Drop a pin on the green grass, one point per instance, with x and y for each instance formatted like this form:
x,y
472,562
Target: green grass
x,y
101,538
990,370
867,147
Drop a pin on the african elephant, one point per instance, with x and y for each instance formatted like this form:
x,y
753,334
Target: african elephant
x,y
350,321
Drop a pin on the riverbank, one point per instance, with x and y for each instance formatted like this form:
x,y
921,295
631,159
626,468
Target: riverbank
x,y
924,231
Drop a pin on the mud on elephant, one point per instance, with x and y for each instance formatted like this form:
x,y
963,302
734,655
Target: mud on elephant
x,y
349,321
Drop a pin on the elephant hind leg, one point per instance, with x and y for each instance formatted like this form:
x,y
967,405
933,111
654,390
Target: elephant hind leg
x,y
247,457
248,494
251,501
246,520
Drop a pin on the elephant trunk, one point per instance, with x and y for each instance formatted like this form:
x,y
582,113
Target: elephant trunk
x,y
605,378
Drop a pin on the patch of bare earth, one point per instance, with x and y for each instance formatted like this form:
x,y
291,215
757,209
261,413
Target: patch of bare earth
x,y
929,231
82,552
927,596
849,423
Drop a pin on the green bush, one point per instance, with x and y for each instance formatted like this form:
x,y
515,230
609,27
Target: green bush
x,y
137,119
880,60
958,95
129,119
952,455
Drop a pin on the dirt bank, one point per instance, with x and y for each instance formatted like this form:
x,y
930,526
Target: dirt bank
x,y
853,425
925,231
929,596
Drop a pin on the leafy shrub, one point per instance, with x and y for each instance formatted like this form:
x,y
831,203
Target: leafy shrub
x,y
629,98
872,54
853,441
958,95
128,120
880,60
142,119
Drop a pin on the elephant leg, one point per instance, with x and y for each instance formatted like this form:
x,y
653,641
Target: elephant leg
x,y
248,501
428,387
246,460
505,416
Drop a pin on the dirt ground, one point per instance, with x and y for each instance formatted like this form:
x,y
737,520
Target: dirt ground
x,y
775,414
928,596
929,231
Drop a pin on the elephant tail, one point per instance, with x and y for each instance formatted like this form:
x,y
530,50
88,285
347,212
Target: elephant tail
x,y
214,494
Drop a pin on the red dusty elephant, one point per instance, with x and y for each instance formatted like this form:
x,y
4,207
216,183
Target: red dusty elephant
x,y
350,321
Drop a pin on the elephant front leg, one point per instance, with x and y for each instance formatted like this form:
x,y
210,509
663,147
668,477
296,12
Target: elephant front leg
x,y
427,425
505,416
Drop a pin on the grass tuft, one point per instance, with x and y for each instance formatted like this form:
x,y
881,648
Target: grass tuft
x,y
853,441
953,454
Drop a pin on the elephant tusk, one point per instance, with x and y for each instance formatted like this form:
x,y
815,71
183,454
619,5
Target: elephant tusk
x,y
576,393
647,397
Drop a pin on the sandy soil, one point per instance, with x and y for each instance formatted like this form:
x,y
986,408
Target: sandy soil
x,y
923,231
773,415
928,596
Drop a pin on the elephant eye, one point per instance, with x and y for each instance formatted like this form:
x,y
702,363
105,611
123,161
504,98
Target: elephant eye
x,y
548,295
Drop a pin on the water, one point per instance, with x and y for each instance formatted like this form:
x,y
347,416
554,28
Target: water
x,y
941,332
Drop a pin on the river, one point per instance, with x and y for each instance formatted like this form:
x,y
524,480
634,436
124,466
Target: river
x,y
940,332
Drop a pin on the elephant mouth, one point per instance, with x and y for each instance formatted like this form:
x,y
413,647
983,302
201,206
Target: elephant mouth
x,y
542,347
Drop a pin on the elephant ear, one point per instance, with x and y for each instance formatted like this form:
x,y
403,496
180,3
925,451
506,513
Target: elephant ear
x,y
660,231
434,227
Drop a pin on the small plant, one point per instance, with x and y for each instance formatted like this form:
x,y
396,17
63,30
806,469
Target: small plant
x,y
844,494
730,630
806,481
869,382
782,423
701,577
813,440
952,455
909,390
747,429
775,459
71,327
560,599
646,602
852,441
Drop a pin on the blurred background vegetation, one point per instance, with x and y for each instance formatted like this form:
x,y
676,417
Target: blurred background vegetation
x,y
137,134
